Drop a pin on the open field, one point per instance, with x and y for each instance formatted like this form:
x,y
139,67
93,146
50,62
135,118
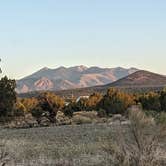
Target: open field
x,y
64,145
81,145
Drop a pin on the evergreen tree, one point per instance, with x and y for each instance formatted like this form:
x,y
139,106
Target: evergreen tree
x,y
7,96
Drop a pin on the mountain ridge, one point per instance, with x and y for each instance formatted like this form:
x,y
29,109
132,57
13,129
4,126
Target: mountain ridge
x,y
63,78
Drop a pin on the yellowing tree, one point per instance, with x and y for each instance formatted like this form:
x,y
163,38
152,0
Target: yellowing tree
x,y
93,101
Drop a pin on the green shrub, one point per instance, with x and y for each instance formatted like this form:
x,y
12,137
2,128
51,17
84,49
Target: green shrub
x,y
7,96
163,100
150,101
101,113
116,102
68,110
161,118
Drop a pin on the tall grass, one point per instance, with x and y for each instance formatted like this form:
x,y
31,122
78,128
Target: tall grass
x,y
144,148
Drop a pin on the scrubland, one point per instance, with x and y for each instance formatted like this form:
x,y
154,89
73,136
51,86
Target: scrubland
x,y
139,141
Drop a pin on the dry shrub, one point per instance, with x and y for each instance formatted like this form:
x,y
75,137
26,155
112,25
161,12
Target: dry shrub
x,y
147,136
144,146
90,114
79,119
84,117
62,119
22,122
4,155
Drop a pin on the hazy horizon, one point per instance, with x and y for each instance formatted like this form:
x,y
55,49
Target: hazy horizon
x,y
52,33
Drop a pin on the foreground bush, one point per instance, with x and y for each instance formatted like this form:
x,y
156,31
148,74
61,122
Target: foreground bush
x,y
161,118
144,149
163,100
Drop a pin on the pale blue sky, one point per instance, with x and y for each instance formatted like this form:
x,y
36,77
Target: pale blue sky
x,y
106,33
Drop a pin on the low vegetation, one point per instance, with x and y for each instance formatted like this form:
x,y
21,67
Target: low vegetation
x,y
94,124
45,106
139,143
146,146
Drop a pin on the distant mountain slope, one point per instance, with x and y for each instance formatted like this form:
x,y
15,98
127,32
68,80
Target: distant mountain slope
x,y
140,78
71,78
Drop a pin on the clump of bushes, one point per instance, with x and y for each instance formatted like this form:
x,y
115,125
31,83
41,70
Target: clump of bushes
x,y
115,102
154,101
150,101
48,105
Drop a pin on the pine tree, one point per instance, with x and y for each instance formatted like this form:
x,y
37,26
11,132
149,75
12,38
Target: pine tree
x,y
7,96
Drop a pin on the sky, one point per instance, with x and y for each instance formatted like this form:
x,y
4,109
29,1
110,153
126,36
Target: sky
x,y
106,33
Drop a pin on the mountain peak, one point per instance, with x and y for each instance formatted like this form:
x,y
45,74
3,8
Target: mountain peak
x,y
44,69
61,67
82,67
79,68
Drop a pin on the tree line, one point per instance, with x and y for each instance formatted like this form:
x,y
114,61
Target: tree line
x,y
47,104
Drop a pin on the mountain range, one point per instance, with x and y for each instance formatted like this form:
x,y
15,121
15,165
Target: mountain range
x,y
63,78
140,81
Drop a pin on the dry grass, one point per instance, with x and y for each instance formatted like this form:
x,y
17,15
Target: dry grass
x,y
116,144
144,147
63,145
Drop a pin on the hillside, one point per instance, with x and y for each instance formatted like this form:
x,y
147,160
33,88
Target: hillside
x,y
63,78
140,78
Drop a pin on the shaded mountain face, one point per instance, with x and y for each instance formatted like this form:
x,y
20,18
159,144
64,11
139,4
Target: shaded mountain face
x,y
70,78
141,78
